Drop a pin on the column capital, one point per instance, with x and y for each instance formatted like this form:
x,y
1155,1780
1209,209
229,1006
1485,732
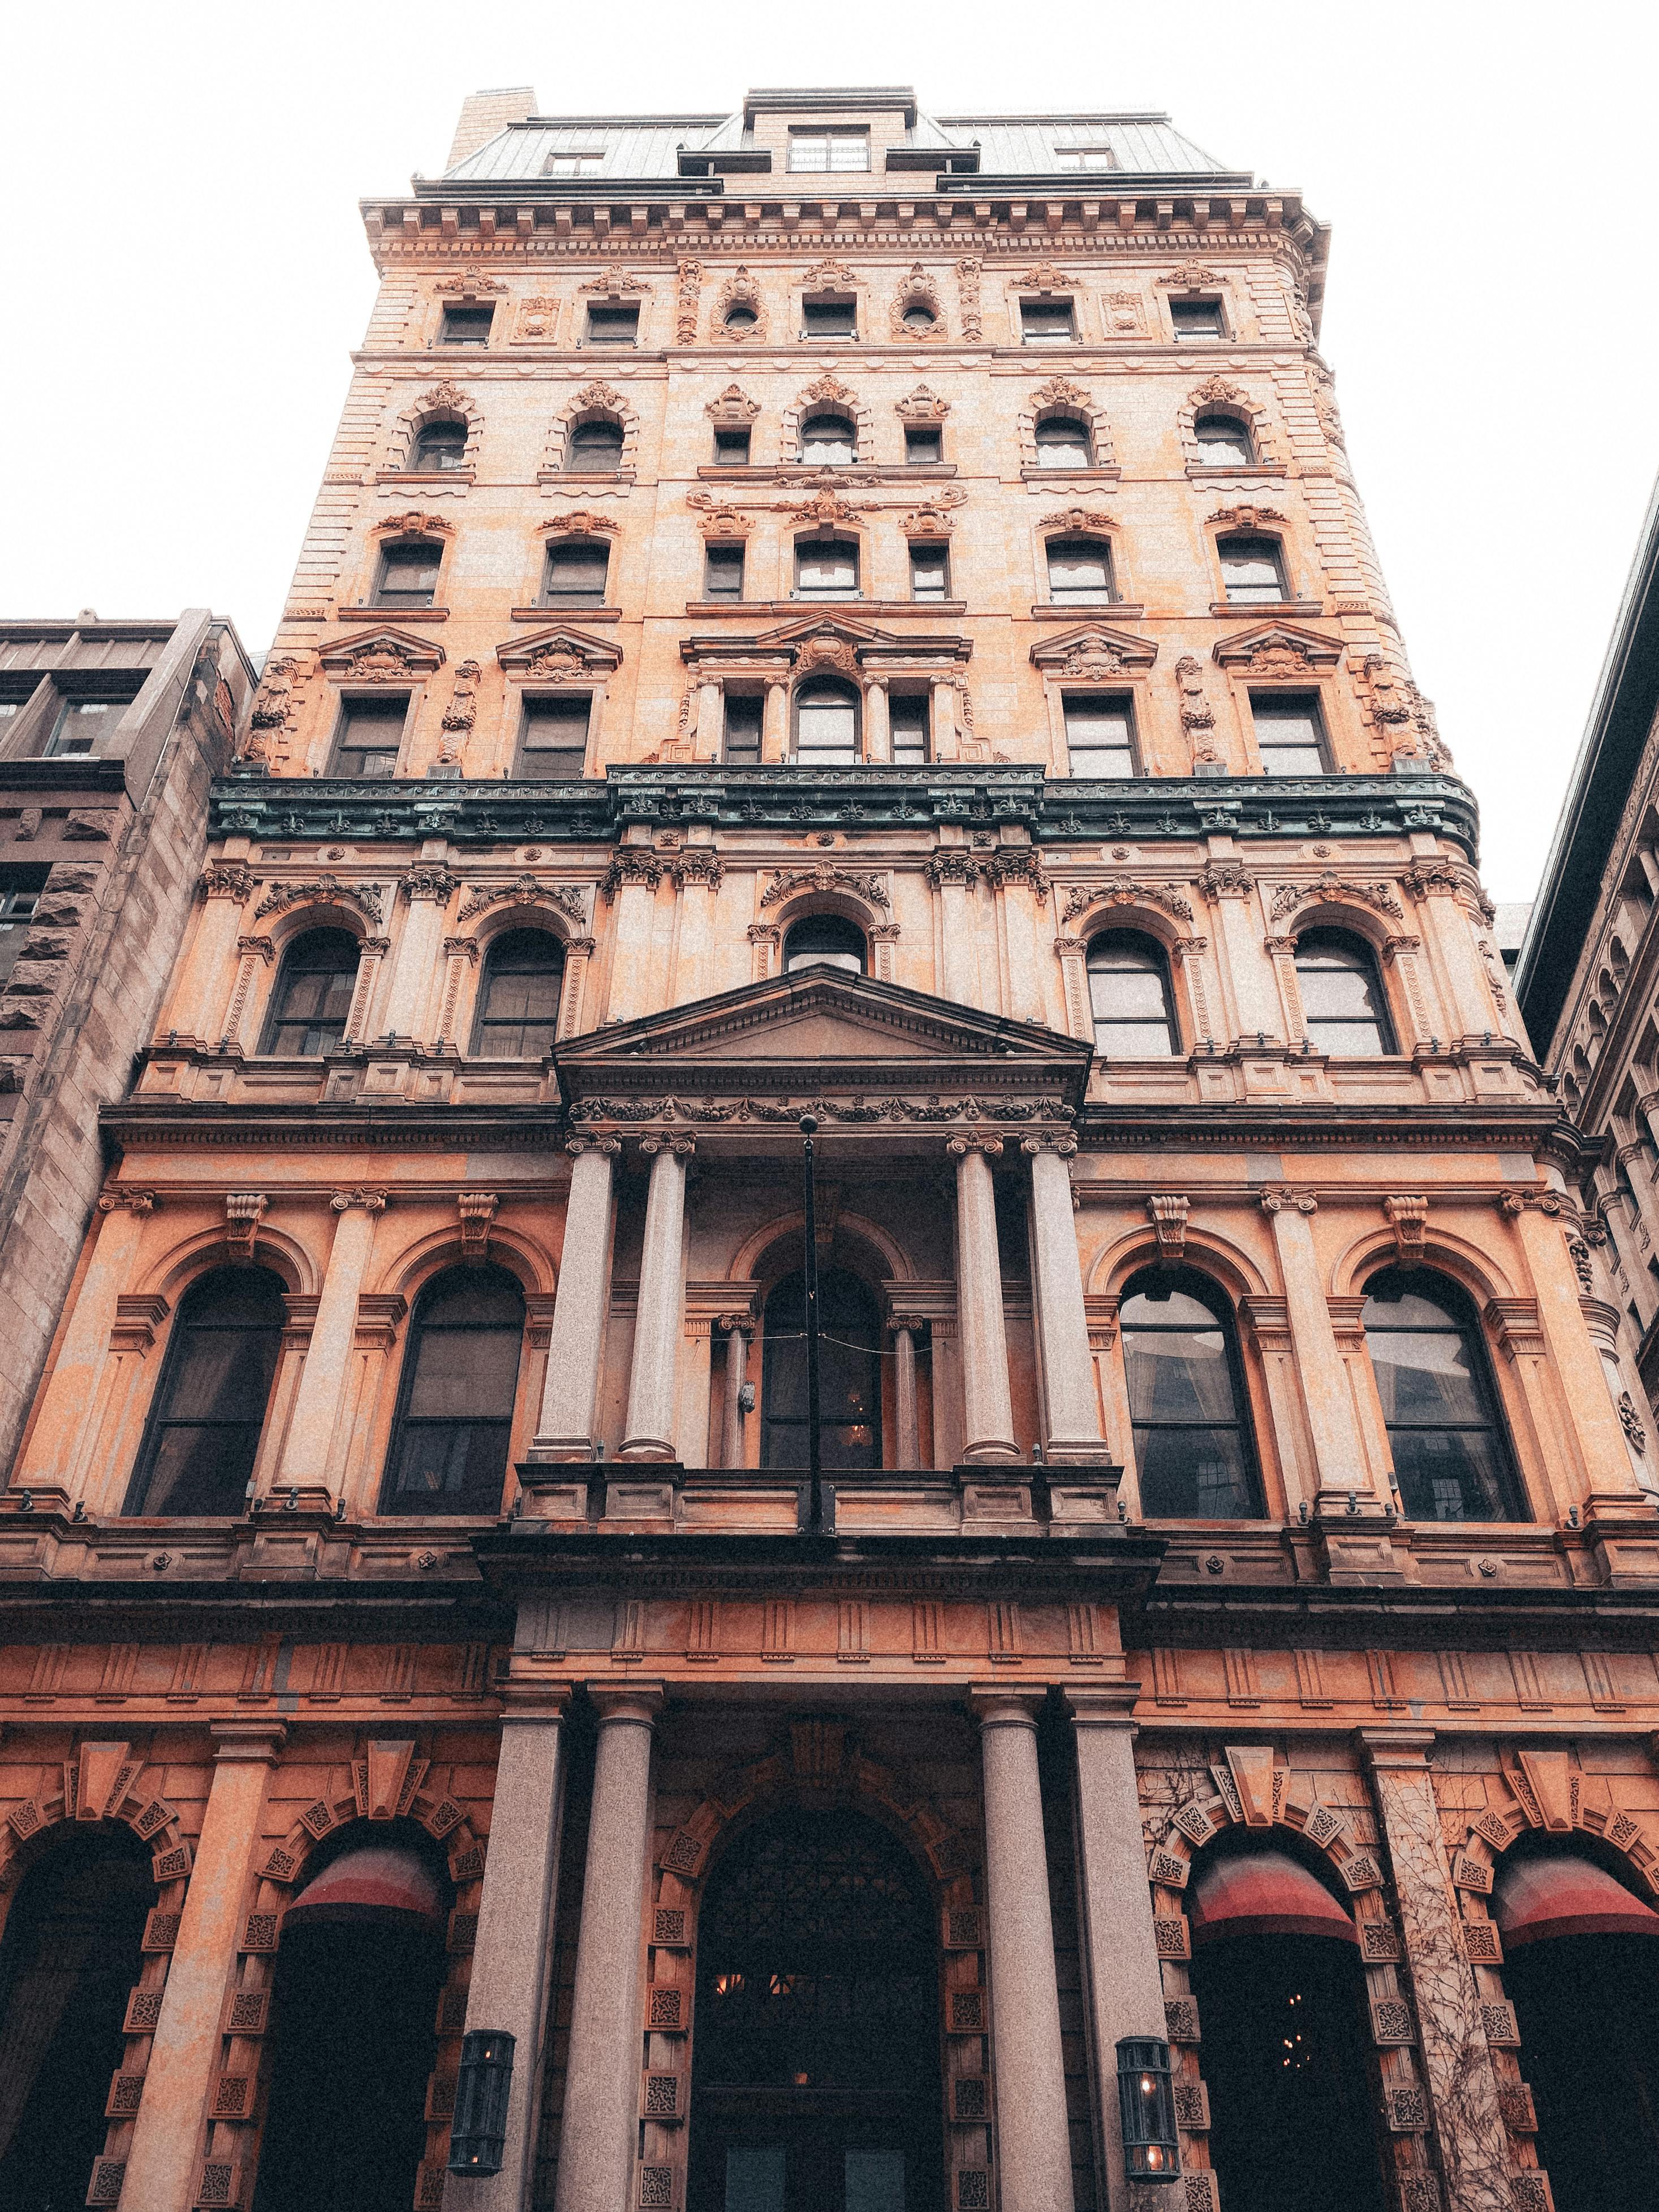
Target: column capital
x,y
911,1324
545,1703
372,1202
969,1141
140,1202
1058,1141
1280,1197
636,1703
993,1706
1397,1748
736,1324
1104,1708
609,1146
679,1147
248,1742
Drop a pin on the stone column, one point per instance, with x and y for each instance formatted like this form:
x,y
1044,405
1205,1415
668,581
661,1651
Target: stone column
x,y
908,1444
696,876
1340,1461
953,874
1456,2060
415,970
1122,1984
166,2153
878,724
1032,2131
307,1449
602,2078
739,1327
774,724
988,1406
565,1429
710,732
1246,971
650,1428
942,721
1068,1366
55,1445
209,969
513,1955
632,882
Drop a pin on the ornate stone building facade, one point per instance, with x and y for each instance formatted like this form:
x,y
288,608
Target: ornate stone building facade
x,y
827,613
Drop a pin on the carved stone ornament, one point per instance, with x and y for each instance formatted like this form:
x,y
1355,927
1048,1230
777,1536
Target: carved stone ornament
x,y
232,880
1169,1219
1076,519
1277,649
686,295
828,276
733,408
1047,277
1125,314
580,522
1191,277
472,287
478,1211
1408,1218
613,286
824,878
825,510
320,891
967,292
381,656
244,1210
718,521
1280,1197
739,291
917,289
1339,890
1631,1422
459,714
428,886
275,694
558,656
414,524
1094,652
926,522
1224,879
1247,517
1060,391
525,891
922,405
1123,891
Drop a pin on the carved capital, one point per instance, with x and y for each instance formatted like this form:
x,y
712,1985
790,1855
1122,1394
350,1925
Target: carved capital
x,y
462,948
225,879
141,1202
681,1147
372,1202
256,948
609,1146
1226,880
736,1324
435,884
974,1140
1065,1145
1280,1197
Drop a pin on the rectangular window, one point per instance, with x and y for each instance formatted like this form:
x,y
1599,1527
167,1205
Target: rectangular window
x,y
577,572
554,741
908,719
1086,157
826,569
731,449
1252,572
1196,319
467,326
19,894
1099,734
409,575
1046,322
15,693
1079,572
722,574
821,152
929,572
742,746
829,319
370,735
83,721
573,165
613,326
924,445
1289,732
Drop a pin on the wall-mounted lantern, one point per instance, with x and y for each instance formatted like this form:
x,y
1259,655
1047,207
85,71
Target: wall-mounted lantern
x,y
478,2132
1146,2098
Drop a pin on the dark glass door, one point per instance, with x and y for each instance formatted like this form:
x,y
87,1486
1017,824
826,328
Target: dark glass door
x,y
849,1373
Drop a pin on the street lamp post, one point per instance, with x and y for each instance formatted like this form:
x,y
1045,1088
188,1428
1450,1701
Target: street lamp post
x,y
809,1277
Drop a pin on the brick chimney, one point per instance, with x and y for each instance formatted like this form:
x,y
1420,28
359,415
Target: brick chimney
x,y
484,113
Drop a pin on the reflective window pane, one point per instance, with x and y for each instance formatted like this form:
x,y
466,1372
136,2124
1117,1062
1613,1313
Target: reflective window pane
x,y
1451,1456
1130,998
1180,1362
460,1374
1341,999
205,1426
1251,570
311,1002
1080,570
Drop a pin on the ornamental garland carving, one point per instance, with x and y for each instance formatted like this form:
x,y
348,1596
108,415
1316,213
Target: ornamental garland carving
x,y
968,284
1289,896
930,521
824,878
1047,277
613,286
685,302
1126,890
581,522
414,525
366,897
383,660
857,1108
468,287
525,891
829,276
1060,391
1191,277
827,507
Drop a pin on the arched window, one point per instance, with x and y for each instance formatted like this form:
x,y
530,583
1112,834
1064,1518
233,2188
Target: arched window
x,y
595,447
824,940
739,316
1252,571
826,568
1451,1455
1192,1445
828,440
816,2068
919,316
1130,998
1224,441
311,1002
454,1420
1079,572
408,573
849,1373
73,1950
1342,995
576,572
519,996
203,1431
1063,443
826,723
439,446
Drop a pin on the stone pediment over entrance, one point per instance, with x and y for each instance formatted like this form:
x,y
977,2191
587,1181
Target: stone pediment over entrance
x,y
867,1057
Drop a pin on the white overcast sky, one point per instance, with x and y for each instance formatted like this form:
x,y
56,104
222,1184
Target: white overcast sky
x,y
185,272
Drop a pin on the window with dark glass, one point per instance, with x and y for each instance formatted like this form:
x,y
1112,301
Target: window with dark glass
x,y
595,448
370,735
408,573
821,151
924,445
1223,442
454,1420
826,568
824,940
467,326
576,571
1046,322
1290,732
439,446
829,319
518,1012
19,895
1099,734
83,720
908,719
828,441
617,324
1192,1447
1130,998
1451,1456
732,448
849,1384
1341,995
203,1434
311,1002
826,724
1252,571
1079,572
722,572
930,570
1062,442
1196,319
744,711
553,739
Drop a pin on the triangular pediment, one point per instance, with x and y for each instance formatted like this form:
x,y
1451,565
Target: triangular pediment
x,y
841,627
1273,648
560,651
383,652
1094,649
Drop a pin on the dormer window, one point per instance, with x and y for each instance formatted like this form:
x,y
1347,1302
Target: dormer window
x,y
1086,157
824,152
829,319
439,446
573,165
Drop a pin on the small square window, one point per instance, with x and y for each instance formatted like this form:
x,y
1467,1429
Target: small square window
x,y
83,721
1196,319
1046,322
731,449
924,445
19,895
722,577
829,319
467,326
1289,733
742,745
907,719
618,325
409,575
371,734
554,741
821,152
1099,734
930,571
1086,157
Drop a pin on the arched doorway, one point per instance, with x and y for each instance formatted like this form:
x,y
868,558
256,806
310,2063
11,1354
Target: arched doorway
x,y
849,1370
354,2003
1286,2055
72,1952
815,2078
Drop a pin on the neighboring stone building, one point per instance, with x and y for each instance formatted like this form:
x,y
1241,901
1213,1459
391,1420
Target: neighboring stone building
x,y
827,613
109,735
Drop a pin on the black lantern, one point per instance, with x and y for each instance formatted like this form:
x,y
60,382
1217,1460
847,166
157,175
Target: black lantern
x,y
1146,2100
478,2132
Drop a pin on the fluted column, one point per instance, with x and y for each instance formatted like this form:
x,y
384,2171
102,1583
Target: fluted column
x,y
565,1429
60,1427
415,970
1032,2131
1062,1320
658,1319
987,1405
739,1327
602,2077
307,1448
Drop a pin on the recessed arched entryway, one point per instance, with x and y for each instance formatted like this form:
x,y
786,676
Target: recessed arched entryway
x,y
815,2078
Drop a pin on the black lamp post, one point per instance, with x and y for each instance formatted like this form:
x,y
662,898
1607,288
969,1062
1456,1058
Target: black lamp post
x,y
478,2134
810,1280
1146,2097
